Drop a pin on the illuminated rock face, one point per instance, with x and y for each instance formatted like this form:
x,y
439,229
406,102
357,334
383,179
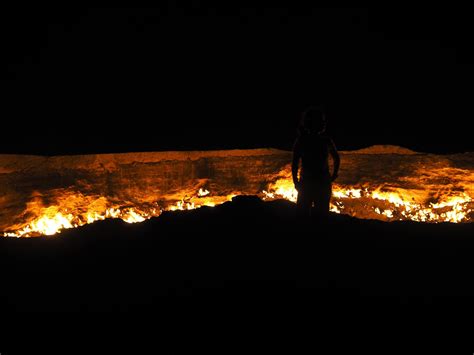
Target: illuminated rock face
x,y
89,185
424,180
73,190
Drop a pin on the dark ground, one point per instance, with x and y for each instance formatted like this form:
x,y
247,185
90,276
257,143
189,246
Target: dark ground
x,y
345,285
243,248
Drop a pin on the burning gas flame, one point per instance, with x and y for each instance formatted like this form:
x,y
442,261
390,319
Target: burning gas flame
x,y
376,202
385,205
52,222
54,219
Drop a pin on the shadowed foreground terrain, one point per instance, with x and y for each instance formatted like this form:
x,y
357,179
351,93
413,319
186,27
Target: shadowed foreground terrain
x,y
243,247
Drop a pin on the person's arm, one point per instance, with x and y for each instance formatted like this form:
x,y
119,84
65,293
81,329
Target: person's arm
x,y
295,164
336,159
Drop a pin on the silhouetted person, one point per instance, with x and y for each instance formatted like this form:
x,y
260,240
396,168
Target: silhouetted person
x,y
313,147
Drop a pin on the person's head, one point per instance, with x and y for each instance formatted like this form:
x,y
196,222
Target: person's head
x,y
313,121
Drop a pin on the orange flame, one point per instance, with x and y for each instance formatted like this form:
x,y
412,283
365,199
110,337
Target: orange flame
x,y
453,208
54,219
378,202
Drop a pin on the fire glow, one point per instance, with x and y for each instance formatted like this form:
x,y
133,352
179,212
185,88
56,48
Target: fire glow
x,y
390,205
435,193
54,219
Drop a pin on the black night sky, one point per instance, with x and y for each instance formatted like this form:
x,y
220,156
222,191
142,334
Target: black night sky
x,y
190,76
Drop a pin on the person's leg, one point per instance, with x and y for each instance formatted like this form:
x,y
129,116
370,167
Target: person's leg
x,y
323,198
304,201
